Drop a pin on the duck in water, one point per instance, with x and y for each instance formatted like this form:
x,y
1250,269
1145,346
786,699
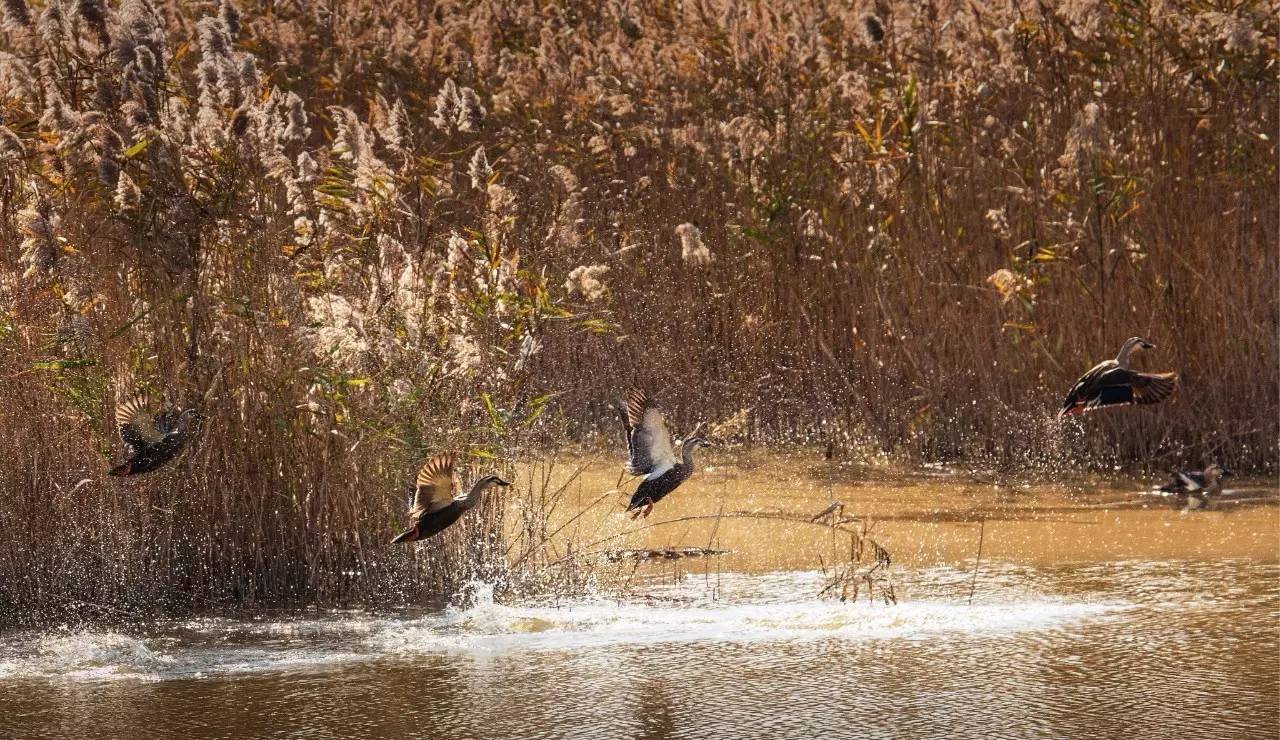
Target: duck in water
x,y
432,507
151,439
652,454
1194,489
1115,383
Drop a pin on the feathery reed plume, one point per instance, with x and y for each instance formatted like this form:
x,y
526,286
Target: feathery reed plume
x,y
39,249
230,17
94,14
336,333
585,280
15,77
16,14
11,148
999,222
448,104
128,195
1087,137
391,122
1009,284
470,112
352,144
53,24
566,231
479,169
692,249
310,231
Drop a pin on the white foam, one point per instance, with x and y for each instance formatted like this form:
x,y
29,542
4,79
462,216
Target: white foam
x,y
95,655
493,627
757,608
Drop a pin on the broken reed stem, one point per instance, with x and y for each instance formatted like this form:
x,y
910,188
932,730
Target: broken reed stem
x,y
977,563
776,516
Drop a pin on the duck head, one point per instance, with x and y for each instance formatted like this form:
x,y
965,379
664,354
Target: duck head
x,y
489,481
1131,345
692,443
1217,472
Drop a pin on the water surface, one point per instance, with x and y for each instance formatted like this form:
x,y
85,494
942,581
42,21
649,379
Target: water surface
x,y
1090,616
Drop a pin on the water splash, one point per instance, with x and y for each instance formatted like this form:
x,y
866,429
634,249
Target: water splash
x,y
741,609
762,609
100,655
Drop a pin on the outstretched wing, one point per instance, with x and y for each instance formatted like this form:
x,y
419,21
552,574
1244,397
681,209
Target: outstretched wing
x,y
434,487
1108,384
136,424
1124,387
1086,386
1153,387
648,439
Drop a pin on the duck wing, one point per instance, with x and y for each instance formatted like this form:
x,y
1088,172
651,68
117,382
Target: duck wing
x,y
1191,481
1122,387
1108,384
137,426
1153,387
1085,387
648,439
433,490
1182,483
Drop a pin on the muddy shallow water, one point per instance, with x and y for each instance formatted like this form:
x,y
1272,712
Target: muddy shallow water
x,y
1098,610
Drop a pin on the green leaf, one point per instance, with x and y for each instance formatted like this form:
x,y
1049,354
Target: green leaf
x,y
137,149
494,417
58,365
539,405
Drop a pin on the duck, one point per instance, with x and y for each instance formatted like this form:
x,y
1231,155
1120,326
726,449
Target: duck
x,y
1197,486
1115,383
432,507
151,440
652,453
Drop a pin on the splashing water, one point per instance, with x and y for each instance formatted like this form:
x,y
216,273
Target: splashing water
x,y
1064,650
744,609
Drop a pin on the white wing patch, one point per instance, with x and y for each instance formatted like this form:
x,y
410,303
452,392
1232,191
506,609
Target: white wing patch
x,y
1189,482
660,470
661,452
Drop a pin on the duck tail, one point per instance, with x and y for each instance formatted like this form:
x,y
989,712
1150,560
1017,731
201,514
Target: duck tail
x,y
409,535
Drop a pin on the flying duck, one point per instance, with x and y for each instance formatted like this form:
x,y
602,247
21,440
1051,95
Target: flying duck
x,y
652,454
152,440
1114,383
1196,487
432,507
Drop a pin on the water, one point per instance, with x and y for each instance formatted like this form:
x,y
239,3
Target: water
x,y
1157,648
1090,622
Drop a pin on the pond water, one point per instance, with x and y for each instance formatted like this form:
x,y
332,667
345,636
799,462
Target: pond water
x,y
1090,616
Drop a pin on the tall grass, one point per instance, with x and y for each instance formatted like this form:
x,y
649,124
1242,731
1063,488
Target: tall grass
x,y
390,228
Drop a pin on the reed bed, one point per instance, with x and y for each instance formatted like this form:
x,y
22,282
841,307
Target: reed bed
x,y
360,232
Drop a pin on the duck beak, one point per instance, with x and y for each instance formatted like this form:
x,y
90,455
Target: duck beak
x,y
500,482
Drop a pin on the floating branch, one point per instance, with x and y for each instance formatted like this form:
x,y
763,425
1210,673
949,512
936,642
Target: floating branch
x,y
665,553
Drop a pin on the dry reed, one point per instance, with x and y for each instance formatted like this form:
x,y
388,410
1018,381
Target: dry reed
x,y
398,227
